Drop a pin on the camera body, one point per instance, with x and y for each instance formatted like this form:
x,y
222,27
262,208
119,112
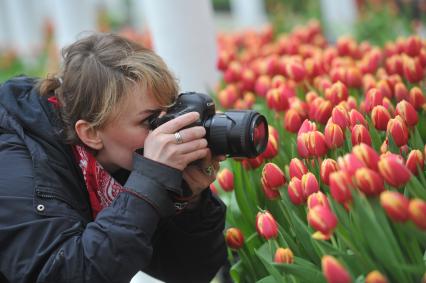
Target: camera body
x,y
235,133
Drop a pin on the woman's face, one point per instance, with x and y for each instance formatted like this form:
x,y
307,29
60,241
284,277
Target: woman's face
x,y
123,135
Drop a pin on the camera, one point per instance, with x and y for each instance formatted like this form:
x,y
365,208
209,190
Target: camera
x,y
235,133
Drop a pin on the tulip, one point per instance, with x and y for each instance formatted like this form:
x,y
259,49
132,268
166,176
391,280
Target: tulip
x,y
273,176
413,45
295,191
252,163
388,105
417,212
318,198
360,134
367,155
416,98
398,130
320,110
407,112
415,160
266,226
385,88
336,93
269,192
248,79
213,188
328,166
315,144
380,117
271,148
334,271
349,163
353,77
297,168
333,135
301,142
356,118
310,96
322,219
307,126
396,205
292,121
393,170
369,181
234,238
373,97
224,58
340,186
226,179
413,70
228,96
295,70
401,92
284,255
340,116
375,277
368,82
274,132
309,184
276,100
262,85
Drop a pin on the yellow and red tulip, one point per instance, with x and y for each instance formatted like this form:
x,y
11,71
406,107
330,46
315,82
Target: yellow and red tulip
x,y
355,118
369,181
375,277
315,144
407,112
340,116
416,98
292,121
401,92
333,135
415,161
328,166
417,212
295,191
373,97
318,198
367,155
322,219
397,128
396,205
393,170
284,255
234,238
297,168
309,184
340,186
273,176
334,271
266,225
360,134
336,93
225,178
380,117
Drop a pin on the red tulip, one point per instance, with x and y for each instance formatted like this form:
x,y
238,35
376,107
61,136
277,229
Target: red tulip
x,y
234,238
336,93
262,85
228,96
292,121
360,134
307,126
367,155
393,170
340,116
225,178
375,277
333,135
356,118
328,166
380,117
340,186
252,163
322,219
269,192
401,92
407,112
315,144
266,226
273,176
369,182
413,70
416,98
373,97
396,205
388,105
233,72
350,163
318,198
398,130
334,271
415,160
284,256
301,142
413,45
309,184
295,70
417,212
295,191
297,168
385,88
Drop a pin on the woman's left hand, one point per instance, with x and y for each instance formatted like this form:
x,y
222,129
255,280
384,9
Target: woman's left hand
x,y
200,175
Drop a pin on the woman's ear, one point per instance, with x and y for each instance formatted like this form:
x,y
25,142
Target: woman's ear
x,y
88,135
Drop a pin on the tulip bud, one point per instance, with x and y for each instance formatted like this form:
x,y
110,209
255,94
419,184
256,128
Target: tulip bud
x,y
334,271
328,166
375,277
266,226
315,144
297,168
367,155
349,163
356,118
309,184
416,98
413,70
413,45
373,98
292,121
385,88
396,205
398,130
226,179
393,170
417,212
336,93
228,96
360,134
262,85
401,92
248,79
295,191
273,176
301,142
295,70
407,113
415,160
380,117
234,238
340,116
307,126
322,219
320,110
369,182
340,183
284,256
318,198
271,148
333,135
269,192
233,72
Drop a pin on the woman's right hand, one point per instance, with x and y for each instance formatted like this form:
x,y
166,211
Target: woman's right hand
x,y
161,144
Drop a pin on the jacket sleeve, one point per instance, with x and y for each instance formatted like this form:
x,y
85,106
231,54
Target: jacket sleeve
x,y
60,246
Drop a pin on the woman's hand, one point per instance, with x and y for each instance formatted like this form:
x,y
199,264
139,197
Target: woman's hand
x,y
200,175
164,145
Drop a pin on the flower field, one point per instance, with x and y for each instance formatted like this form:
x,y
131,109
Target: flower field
x,y
339,195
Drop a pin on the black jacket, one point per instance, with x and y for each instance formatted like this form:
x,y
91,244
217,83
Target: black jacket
x,y
47,233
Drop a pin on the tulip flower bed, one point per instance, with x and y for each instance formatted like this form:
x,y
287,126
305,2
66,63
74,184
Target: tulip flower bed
x,y
339,195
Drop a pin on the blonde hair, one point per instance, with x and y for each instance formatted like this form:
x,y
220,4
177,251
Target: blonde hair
x,y
98,72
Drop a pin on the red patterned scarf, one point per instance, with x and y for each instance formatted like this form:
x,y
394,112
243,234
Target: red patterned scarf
x,y
101,186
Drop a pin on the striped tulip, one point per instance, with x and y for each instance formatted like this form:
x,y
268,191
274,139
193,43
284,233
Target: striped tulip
x,y
228,96
367,155
315,144
387,103
273,176
380,117
234,238
271,148
417,212
360,134
269,192
337,92
292,121
322,219
369,181
356,118
318,198
309,184
373,97
334,271
393,170
266,226
401,91
226,179
333,135
413,45
284,255
415,161
295,191
349,163
340,186
262,85
375,277
307,126
398,130
396,205
416,98
413,70
301,142
407,112
340,116
328,166
297,168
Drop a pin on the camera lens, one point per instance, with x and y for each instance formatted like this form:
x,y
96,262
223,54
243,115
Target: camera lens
x,y
237,133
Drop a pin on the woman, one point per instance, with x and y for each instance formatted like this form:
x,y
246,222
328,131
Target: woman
x,y
77,203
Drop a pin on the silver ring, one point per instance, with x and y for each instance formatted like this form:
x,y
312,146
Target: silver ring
x,y
178,138
209,171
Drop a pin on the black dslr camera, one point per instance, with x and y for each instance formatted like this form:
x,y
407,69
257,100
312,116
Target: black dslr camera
x,y
235,133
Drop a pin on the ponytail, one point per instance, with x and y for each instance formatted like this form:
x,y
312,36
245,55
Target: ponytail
x,y
49,85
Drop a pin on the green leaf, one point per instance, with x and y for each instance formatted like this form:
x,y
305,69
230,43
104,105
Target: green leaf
x,y
269,279
265,256
415,188
235,272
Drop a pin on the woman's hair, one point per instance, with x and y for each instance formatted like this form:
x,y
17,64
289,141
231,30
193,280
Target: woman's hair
x,y
98,72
